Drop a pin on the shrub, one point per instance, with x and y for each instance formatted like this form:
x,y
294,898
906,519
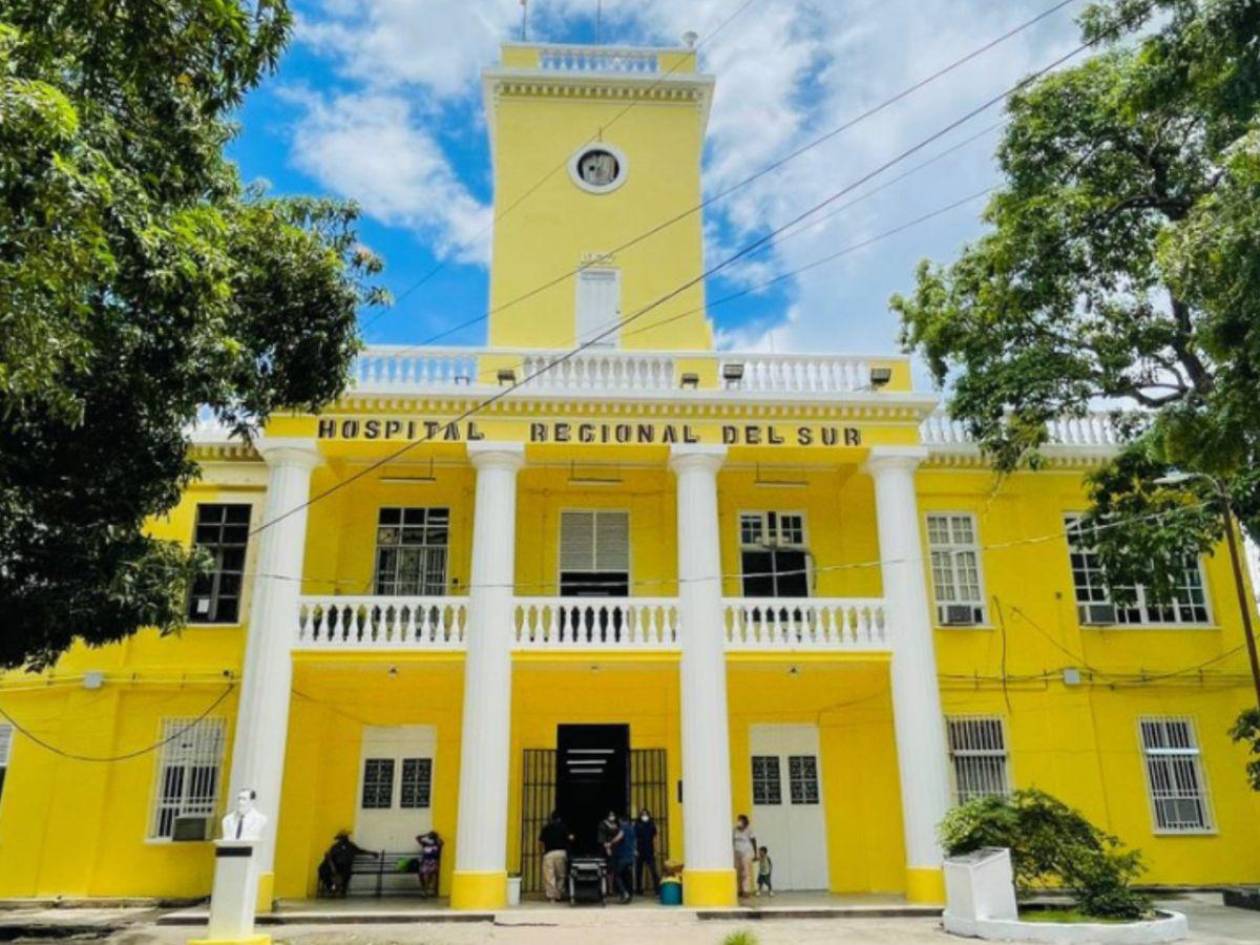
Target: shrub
x,y
1247,729
742,937
1051,844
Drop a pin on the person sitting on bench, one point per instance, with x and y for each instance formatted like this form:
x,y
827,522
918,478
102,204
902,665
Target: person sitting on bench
x,y
337,865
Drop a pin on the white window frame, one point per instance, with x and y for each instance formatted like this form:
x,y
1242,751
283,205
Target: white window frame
x,y
606,326
596,511
1140,613
188,744
953,550
6,752
775,544
1168,758
969,740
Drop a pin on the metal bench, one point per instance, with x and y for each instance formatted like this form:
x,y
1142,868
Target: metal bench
x,y
383,863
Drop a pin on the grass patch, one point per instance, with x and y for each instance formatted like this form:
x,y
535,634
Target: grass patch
x,y
742,937
1066,916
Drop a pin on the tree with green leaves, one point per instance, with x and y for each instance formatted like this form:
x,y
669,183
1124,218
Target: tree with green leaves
x,y
1121,267
140,283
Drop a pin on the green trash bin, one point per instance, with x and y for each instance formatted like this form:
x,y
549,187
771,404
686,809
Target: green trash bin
x,y
671,892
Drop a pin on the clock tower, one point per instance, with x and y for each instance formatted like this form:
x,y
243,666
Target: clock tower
x,y
592,147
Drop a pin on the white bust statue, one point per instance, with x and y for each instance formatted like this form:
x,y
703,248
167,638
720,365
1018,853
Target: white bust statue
x,y
246,822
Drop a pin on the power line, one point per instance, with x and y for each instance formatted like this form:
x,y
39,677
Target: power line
x,y
73,756
441,264
730,260
770,168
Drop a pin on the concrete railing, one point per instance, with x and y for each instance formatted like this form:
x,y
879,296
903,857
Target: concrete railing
x,y
804,623
597,59
1095,429
595,623
382,623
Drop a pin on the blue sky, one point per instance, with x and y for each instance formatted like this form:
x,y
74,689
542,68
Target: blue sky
x,y
379,101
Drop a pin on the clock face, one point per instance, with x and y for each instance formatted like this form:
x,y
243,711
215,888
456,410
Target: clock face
x,y
599,169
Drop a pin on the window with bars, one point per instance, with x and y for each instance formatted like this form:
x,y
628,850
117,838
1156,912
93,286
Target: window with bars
x,y
411,551
6,745
977,748
189,767
766,788
1174,776
774,556
378,784
417,783
1094,606
222,531
803,779
594,553
955,555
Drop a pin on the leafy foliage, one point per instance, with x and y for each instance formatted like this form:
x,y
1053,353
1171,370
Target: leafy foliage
x,y
140,282
1247,729
1122,267
1051,844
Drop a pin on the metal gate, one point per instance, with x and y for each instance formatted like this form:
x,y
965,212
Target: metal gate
x,y
649,787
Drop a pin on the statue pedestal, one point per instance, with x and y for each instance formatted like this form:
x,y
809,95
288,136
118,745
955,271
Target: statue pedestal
x,y
235,896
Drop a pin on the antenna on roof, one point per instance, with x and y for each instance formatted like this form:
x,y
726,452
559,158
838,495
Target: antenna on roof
x,y
689,39
524,19
599,21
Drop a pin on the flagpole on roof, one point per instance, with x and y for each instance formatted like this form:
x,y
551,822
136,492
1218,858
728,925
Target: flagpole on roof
x,y
524,20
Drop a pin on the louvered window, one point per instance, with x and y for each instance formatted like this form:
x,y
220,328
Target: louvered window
x,y
977,748
1174,776
189,766
594,553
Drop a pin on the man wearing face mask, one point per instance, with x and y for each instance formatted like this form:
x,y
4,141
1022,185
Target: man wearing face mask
x,y
645,839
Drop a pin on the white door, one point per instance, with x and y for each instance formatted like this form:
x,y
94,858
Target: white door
x,y
395,801
787,813
598,306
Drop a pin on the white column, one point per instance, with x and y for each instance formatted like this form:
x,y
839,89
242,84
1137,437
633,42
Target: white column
x,y
480,879
262,719
709,879
920,728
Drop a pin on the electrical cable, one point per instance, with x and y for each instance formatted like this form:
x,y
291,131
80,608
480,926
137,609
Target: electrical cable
x,y
730,260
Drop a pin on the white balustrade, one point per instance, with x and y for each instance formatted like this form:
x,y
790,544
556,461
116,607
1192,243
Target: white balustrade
x,y
802,374
1094,429
599,371
595,623
384,369
597,59
382,623
804,623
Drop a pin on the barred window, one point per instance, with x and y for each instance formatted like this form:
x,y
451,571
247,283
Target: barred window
x,y
378,783
188,772
6,745
411,551
767,789
1174,776
417,782
977,748
1187,606
955,555
803,779
222,531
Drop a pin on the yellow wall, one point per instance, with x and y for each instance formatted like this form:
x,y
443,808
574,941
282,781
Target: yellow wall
x,y
547,235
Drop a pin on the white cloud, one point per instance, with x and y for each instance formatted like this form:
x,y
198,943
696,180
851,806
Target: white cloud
x,y
371,147
787,70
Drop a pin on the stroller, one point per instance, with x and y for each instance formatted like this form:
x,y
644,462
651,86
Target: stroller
x,y
586,880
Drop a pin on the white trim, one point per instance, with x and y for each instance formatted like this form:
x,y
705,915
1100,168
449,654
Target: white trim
x,y
595,510
1195,753
623,167
952,548
199,744
802,547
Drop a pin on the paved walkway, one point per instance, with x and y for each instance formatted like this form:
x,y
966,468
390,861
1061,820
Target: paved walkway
x,y
1210,924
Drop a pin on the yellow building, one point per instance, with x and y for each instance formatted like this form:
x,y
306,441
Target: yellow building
x,y
653,575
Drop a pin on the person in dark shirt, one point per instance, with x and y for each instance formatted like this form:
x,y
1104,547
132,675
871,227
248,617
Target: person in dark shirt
x,y
608,834
645,839
623,854
555,840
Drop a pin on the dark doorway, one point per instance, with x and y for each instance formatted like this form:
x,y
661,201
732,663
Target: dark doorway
x,y
592,778
649,787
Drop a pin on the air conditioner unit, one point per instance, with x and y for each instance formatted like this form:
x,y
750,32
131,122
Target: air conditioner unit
x,y
188,827
958,615
1096,615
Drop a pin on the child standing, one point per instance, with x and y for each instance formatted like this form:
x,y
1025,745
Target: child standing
x,y
765,866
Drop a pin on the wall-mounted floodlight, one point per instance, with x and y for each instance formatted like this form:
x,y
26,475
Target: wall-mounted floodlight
x,y
880,376
733,373
506,376
690,381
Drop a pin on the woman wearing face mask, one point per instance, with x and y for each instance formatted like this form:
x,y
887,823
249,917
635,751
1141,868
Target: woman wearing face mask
x,y
645,838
